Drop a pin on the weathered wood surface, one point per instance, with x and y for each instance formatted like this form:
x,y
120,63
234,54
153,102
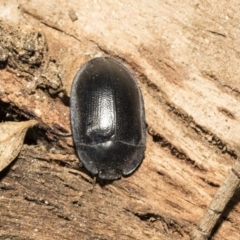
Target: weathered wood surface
x,y
185,55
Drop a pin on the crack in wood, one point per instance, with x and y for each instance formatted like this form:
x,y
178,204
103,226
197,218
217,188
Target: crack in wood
x,y
52,25
86,179
210,137
172,226
213,77
164,143
210,183
39,201
215,33
214,140
226,112
64,217
6,188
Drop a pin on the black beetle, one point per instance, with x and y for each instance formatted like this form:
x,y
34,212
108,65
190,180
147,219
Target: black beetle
x,y
107,118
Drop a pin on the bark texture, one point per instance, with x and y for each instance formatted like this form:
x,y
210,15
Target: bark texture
x,y
185,55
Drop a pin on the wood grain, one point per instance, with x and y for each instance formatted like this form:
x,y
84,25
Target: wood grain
x,y
185,56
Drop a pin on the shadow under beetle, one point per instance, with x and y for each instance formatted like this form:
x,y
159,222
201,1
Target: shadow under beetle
x,y
107,118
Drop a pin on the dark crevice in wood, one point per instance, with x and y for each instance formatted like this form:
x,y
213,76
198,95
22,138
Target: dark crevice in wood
x,y
226,112
210,137
40,201
210,183
60,163
233,90
173,205
101,48
87,180
42,132
6,188
164,143
149,217
236,173
9,112
216,33
172,226
64,217
214,140
49,24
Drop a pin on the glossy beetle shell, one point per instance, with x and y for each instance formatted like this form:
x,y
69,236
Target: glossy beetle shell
x,y
107,118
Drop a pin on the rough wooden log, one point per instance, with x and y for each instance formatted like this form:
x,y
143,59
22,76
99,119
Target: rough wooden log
x,y
185,56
